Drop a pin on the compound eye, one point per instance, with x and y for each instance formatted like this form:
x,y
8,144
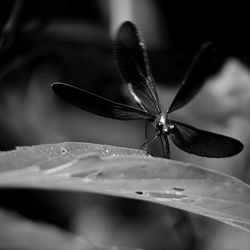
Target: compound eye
x,y
159,126
172,129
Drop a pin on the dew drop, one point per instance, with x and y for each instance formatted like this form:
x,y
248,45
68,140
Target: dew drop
x,y
178,189
139,192
63,151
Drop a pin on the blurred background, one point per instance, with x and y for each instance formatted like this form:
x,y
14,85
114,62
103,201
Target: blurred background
x,y
71,41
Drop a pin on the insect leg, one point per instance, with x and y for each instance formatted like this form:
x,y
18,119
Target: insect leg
x,y
145,145
165,148
146,130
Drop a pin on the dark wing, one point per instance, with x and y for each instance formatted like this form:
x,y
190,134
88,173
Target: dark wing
x,y
132,61
98,105
204,65
203,143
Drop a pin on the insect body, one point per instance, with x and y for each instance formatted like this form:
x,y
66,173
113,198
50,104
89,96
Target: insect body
x,y
163,125
132,61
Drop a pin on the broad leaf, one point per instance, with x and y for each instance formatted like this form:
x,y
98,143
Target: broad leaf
x,y
128,173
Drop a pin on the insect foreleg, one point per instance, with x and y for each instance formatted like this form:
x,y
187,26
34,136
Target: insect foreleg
x,y
146,130
145,145
165,148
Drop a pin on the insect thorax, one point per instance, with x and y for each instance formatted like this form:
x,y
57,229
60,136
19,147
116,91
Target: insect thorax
x,y
163,125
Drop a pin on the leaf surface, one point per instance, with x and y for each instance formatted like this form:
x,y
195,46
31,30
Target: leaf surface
x,y
128,173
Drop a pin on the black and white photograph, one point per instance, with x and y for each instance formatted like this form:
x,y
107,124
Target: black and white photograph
x,y
125,125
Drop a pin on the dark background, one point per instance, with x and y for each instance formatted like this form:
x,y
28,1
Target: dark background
x,y
71,42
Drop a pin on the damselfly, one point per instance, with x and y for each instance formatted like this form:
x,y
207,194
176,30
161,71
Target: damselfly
x,y
132,60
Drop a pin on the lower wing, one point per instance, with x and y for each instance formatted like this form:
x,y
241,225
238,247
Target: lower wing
x,y
204,143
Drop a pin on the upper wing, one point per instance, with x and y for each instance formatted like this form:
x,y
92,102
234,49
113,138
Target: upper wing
x,y
202,67
131,56
98,105
204,143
